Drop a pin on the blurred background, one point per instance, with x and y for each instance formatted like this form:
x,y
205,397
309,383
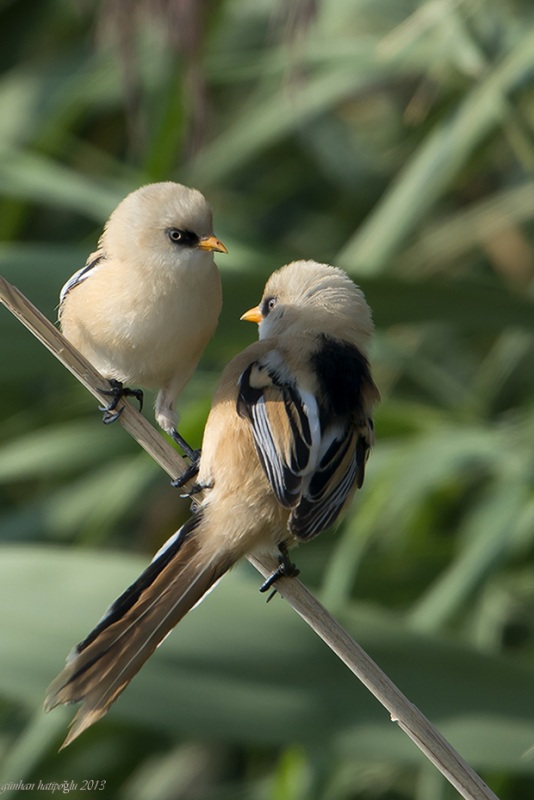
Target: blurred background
x,y
394,139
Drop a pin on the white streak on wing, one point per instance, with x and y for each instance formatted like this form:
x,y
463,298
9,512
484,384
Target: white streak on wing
x,y
333,433
311,409
329,507
78,277
264,438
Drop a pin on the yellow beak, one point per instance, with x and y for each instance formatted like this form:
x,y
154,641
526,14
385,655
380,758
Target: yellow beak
x,y
253,315
212,243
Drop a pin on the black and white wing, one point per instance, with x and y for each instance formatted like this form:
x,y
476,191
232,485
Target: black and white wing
x,y
94,261
312,463
285,426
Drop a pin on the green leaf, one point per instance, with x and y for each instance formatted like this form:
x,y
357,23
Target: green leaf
x,y
236,667
468,304
57,450
436,164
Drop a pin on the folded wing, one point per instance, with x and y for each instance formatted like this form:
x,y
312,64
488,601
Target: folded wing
x,y
313,460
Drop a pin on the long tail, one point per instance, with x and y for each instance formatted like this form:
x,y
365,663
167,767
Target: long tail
x,y
100,667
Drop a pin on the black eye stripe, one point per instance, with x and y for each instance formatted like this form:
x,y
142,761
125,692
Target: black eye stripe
x,y
182,237
268,305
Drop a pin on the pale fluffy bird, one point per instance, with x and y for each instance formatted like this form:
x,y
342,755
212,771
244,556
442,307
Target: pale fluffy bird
x,y
284,449
147,302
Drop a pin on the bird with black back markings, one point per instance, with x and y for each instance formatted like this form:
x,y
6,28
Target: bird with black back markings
x,y
284,449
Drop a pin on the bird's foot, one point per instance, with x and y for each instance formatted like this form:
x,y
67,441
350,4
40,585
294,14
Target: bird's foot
x,y
192,470
186,476
286,569
192,455
117,391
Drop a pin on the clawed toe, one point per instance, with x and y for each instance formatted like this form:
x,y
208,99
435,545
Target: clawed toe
x,y
285,569
186,476
116,392
110,415
193,455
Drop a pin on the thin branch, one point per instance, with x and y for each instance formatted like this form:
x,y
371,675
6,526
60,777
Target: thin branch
x,y
137,426
414,724
402,711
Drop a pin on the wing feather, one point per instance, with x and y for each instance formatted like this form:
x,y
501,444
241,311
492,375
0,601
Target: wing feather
x,y
95,260
313,463
282,430
329,488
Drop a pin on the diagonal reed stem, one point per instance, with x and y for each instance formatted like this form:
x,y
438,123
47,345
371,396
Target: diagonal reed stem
x,y
408,717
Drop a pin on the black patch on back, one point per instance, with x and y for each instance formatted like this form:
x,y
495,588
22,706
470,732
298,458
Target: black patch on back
x,y
247,395
342,371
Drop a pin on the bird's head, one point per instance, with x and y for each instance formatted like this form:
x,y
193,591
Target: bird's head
x,y
308,297
169,221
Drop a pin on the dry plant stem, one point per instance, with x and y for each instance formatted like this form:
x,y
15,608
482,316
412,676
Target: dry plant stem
x,y
137,426
409,718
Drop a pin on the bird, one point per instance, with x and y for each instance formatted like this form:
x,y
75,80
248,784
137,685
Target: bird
x,y
148,300
284,449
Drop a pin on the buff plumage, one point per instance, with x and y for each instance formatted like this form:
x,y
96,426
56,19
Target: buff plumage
x,y
285,448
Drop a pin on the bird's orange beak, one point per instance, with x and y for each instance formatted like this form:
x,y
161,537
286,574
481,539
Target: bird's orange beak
x,y
212,243
253,315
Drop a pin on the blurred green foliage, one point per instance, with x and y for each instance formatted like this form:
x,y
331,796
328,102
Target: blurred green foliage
x,y
394,139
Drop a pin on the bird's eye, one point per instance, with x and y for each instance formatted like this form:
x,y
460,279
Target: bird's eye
x,y
268,305
182,237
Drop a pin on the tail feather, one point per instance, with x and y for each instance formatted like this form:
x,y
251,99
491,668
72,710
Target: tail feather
x,y
103,664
